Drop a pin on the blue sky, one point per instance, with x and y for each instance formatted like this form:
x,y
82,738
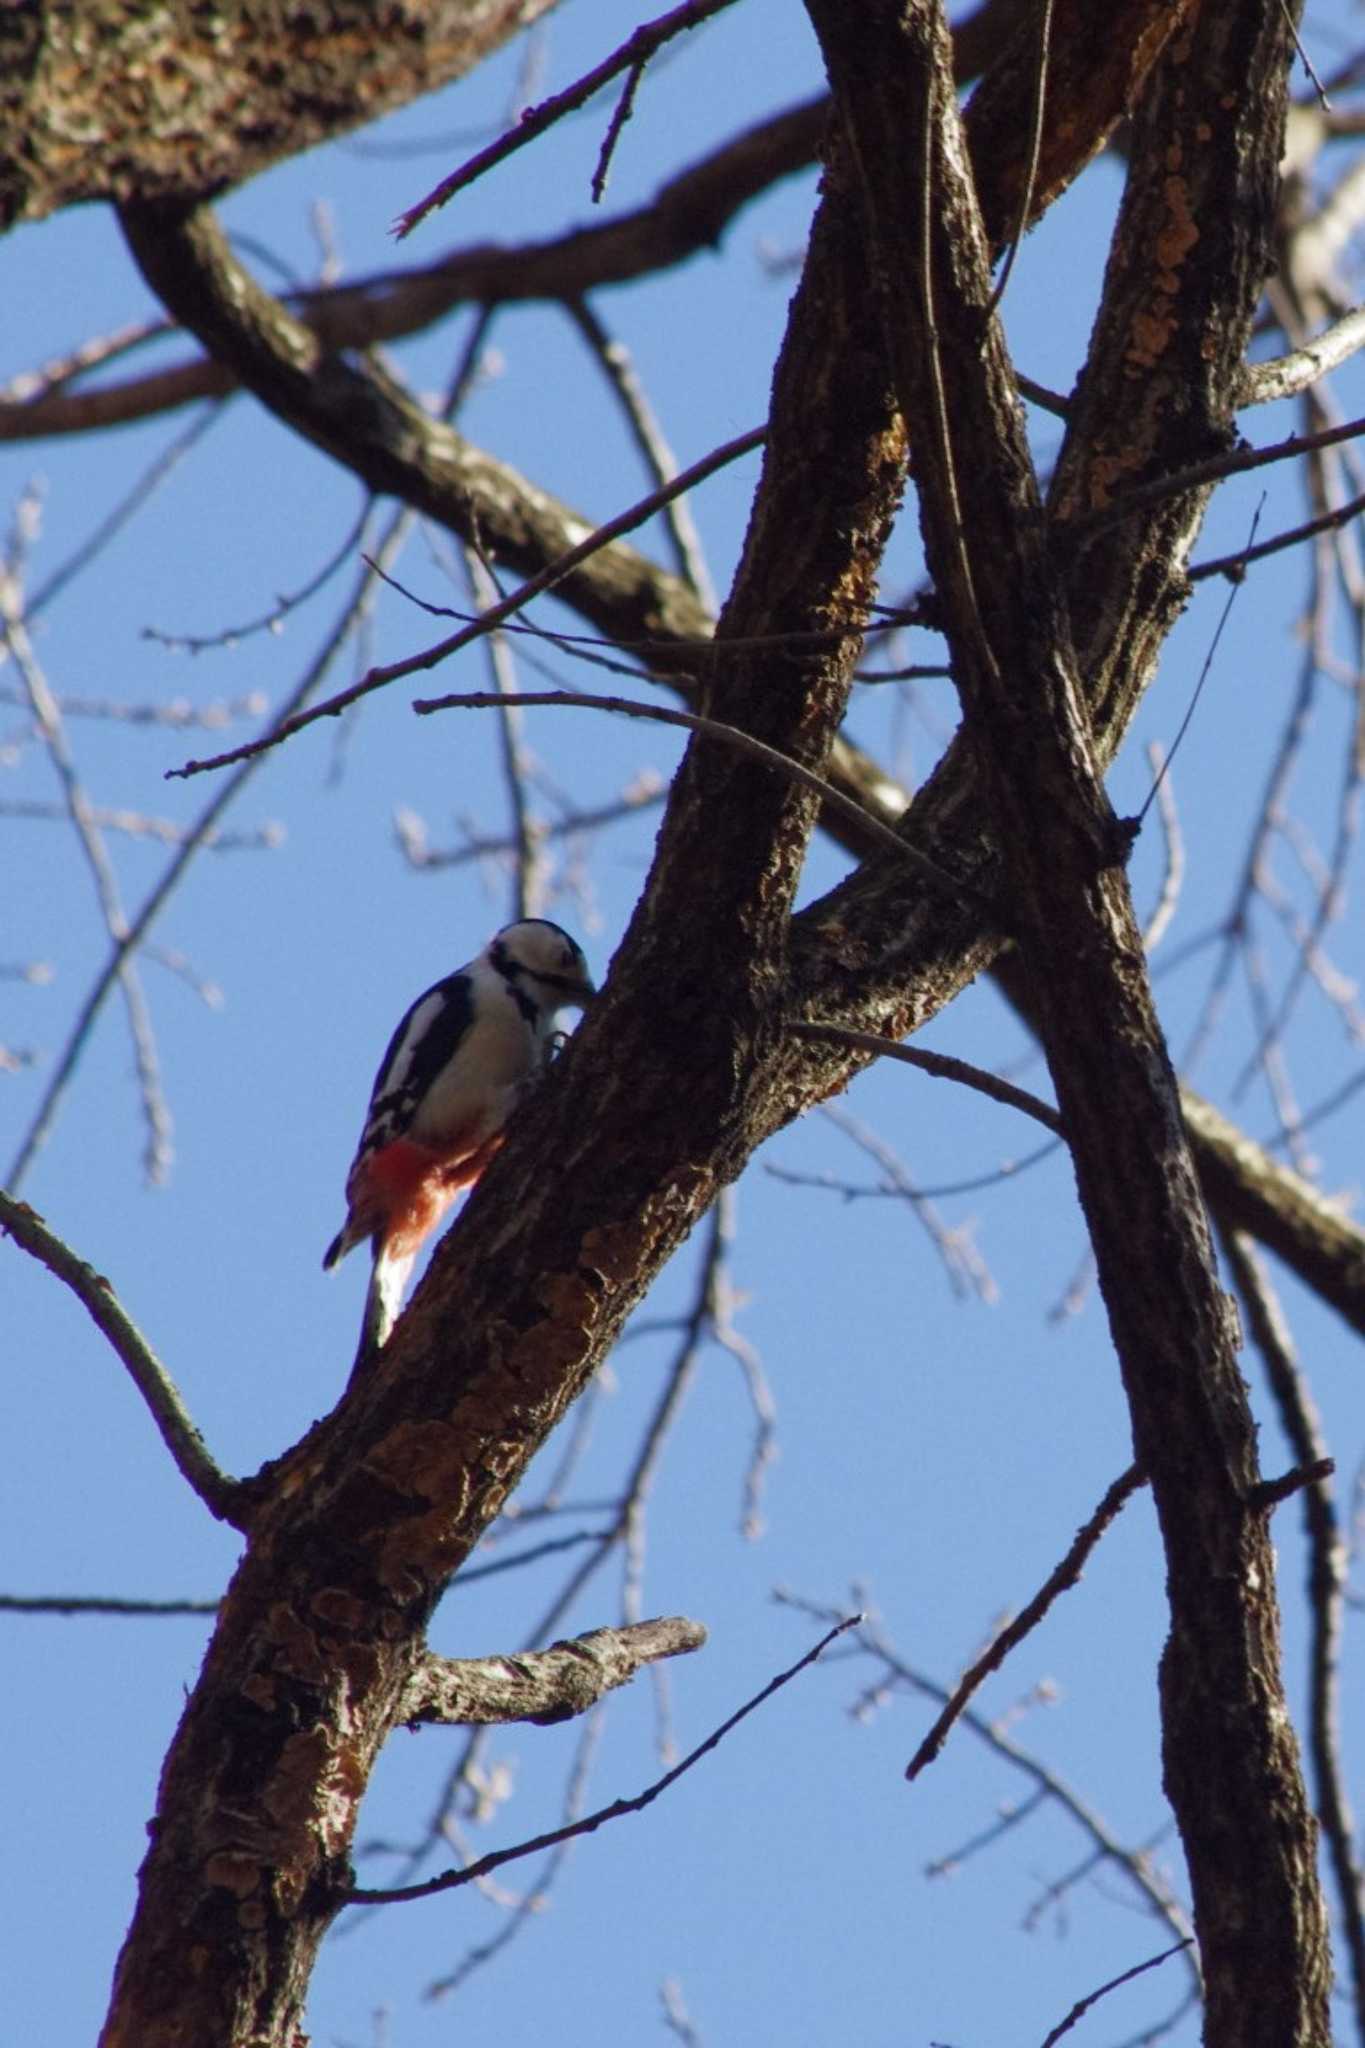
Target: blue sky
x,y
935,1452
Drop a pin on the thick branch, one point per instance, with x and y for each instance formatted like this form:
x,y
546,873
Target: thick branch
x,y
104,101
367,1518
1250,1191
1232,1768
543,1685
688,214
373,427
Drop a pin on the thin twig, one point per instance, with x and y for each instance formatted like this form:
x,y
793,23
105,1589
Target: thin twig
x,y
1035,151
968,1273
412,835
526,833
743,743
940,1065
285,602
1083,2005
138,825
88,1603
1132,1863
127,509
1198,690
1235,463
554,572
549,1548
1319,88
222,1495
534,1900
721,1303
496,1858
201,830
649,438
620,114
935,1192
635,51
1237,565
158,1150
676,2016
1065,1575
1172,839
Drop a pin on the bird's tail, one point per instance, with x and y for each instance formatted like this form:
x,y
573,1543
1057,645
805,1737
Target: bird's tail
x,y
383,1298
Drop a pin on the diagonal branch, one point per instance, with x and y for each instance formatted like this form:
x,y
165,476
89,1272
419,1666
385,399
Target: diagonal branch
x,y
632,55
619,1808
1326,1589
372,426
551,577
224,1497
941,1065
864,821
689,213
1263,1931
1065,1575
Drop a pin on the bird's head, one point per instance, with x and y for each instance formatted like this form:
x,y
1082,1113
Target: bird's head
x,y
540,960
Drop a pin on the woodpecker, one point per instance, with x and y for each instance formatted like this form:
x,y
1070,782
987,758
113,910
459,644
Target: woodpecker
x,y
451,1077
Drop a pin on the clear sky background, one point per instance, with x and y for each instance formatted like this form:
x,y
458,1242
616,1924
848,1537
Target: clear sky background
x,y
937,1445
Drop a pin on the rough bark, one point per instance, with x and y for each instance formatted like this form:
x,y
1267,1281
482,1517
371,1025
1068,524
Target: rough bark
x,y
687,1065
102,100
543,1685
1231,1761
358,1530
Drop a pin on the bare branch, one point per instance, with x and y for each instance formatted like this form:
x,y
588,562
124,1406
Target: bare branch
x,y
543,1686
158,1149
223,1496
632,55
1253,1192
286,602
1237,463
203,827
689,212
625,1528
1083,2005
525,834
1132,1864
86,1603
1236,565
452,1879
1285,376
546,579
648,437
1060,1580
1174,874
729,735
941,1065
967,1271
1326,1591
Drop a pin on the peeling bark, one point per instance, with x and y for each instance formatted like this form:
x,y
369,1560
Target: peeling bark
x,y
542,1685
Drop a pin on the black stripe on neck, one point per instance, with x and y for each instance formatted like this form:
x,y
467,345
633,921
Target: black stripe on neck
x,y
501,960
